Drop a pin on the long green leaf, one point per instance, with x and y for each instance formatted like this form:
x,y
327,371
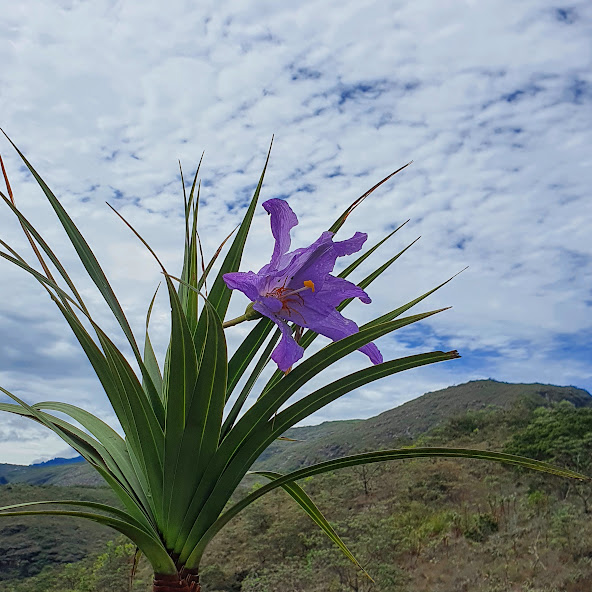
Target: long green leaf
x,y
91,450
212,261
81,332
115,512
150,360
150,545
29,236
246,351
304,501
129,407
274,398
252,448
179,388
372,457
220,294
189,273
41,242
341,220
203,504
109,438
249,384
17,260
189,203
85,254
144,432
393,314
263,437
203,419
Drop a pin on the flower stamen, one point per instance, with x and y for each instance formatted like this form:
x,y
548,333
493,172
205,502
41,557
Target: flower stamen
x,y
286,295
282,293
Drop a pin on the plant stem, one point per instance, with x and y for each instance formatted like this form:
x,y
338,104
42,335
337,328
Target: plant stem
x,y
236,321
184,581
250,315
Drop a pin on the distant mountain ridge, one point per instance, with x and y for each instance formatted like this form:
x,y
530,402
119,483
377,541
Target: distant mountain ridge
x,y
390,429
58,461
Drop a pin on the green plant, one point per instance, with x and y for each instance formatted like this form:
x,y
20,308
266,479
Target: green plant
x,y
186,445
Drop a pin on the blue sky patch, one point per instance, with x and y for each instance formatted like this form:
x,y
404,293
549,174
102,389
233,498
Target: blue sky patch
x,y
566,15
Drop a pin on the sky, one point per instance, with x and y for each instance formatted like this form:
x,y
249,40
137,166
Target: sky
x,y
491,99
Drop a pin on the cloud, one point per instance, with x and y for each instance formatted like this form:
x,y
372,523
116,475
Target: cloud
x,y
490,99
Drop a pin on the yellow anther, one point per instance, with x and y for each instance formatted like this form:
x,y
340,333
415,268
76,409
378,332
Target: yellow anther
x,y
309,284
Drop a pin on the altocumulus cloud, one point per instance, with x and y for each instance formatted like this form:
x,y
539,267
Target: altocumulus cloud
x,y
492,100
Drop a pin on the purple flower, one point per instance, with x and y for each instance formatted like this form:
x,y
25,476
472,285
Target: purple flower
x,y
298,287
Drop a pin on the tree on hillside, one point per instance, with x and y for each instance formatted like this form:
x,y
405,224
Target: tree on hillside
x,y
561,434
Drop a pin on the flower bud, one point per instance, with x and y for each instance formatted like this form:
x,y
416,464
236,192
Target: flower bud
x,y
251,314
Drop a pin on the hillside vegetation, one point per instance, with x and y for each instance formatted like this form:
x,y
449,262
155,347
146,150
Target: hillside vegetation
x,y
423,525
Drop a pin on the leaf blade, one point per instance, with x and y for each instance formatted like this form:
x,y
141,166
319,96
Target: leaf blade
x,y
310,508
220,293
84,252
199,439
341,220
150,545
372,457
151,362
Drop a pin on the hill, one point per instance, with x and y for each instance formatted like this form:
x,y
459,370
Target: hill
x,y
401,425
29,543
393,428
65,475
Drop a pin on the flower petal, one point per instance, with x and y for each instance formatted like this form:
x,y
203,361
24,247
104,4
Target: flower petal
x,y
336,290
333,325
351,245
271,304
283,219
287,352
316,262
249,283
372,352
